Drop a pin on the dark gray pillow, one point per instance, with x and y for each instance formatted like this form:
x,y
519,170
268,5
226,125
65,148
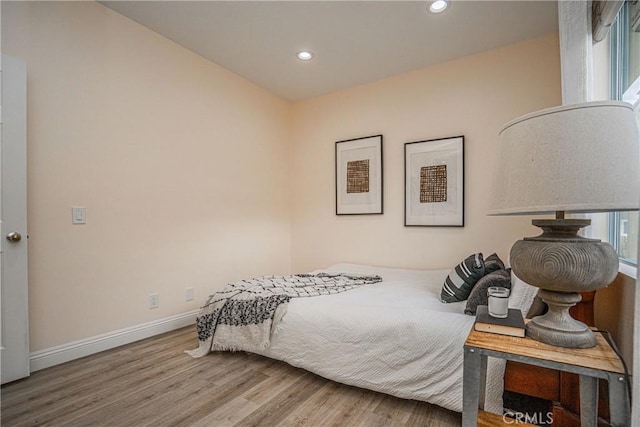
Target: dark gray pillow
x,y
462,278
479,292
538,307
493,263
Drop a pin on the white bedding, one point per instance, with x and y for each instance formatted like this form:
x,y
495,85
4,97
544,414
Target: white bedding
x,y
394,337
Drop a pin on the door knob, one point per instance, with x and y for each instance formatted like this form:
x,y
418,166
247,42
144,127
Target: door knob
x,y
14,236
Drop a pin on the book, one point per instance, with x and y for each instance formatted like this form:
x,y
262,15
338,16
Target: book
x,y
512,325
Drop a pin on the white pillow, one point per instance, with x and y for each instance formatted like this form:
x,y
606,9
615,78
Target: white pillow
x,y
522,294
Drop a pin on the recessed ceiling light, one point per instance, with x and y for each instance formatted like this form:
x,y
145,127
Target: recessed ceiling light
x,y
438,6
305,55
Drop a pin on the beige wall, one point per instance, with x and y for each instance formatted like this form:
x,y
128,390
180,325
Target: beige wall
x,y
474,97
182,166
614,310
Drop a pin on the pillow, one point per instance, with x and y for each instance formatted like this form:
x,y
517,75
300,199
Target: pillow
x,y
457,286
522,294
479,292
538,307
493,263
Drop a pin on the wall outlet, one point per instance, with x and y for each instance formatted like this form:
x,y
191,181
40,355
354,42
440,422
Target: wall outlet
x,y
154,301
78,215
188,294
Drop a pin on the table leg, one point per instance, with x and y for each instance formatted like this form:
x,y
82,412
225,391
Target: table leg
x,y
588,401
619,401
482,382
473,385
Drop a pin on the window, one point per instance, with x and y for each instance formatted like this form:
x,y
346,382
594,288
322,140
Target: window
x,y
625,85
624,235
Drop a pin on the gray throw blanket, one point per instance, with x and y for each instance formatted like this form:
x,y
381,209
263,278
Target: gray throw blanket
x,y
243,314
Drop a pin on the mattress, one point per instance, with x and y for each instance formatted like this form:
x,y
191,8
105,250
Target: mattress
x,y
394,337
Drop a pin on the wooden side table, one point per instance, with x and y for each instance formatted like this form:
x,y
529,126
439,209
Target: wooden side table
x,y
590,364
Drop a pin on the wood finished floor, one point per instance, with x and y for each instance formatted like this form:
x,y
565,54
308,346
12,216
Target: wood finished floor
x,y
153,383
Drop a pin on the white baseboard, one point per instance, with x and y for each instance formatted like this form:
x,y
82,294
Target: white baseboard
x,y
74,350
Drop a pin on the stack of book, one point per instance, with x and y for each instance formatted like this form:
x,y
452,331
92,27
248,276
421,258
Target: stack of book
x,y
512,325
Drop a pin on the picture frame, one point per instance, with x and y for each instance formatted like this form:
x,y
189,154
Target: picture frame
x,y
359,178
434,183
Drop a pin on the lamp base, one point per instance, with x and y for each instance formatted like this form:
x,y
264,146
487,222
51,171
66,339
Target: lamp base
x,y
562,264
557,327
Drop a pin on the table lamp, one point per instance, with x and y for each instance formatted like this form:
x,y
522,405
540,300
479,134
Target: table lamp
x,y
574,158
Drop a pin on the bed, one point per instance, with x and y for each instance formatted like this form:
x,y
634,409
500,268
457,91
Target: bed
x,y
395,336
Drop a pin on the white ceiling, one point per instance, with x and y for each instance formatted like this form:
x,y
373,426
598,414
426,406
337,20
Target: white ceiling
x,y
354,42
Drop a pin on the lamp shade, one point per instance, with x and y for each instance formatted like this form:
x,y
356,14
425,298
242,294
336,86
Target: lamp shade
x,y
574,158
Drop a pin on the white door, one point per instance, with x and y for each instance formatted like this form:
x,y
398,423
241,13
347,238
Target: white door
x,y
14,319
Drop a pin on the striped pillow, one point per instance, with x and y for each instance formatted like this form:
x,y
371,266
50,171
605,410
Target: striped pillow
x,y
462,278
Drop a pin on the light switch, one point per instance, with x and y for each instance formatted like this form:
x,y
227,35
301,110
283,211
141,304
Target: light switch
x,y
78,215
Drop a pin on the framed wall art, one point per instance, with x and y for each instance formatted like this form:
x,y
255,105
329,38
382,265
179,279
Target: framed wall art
x,y
434,183
359,176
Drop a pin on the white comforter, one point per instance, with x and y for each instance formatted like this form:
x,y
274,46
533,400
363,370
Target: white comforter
x,y
394,337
